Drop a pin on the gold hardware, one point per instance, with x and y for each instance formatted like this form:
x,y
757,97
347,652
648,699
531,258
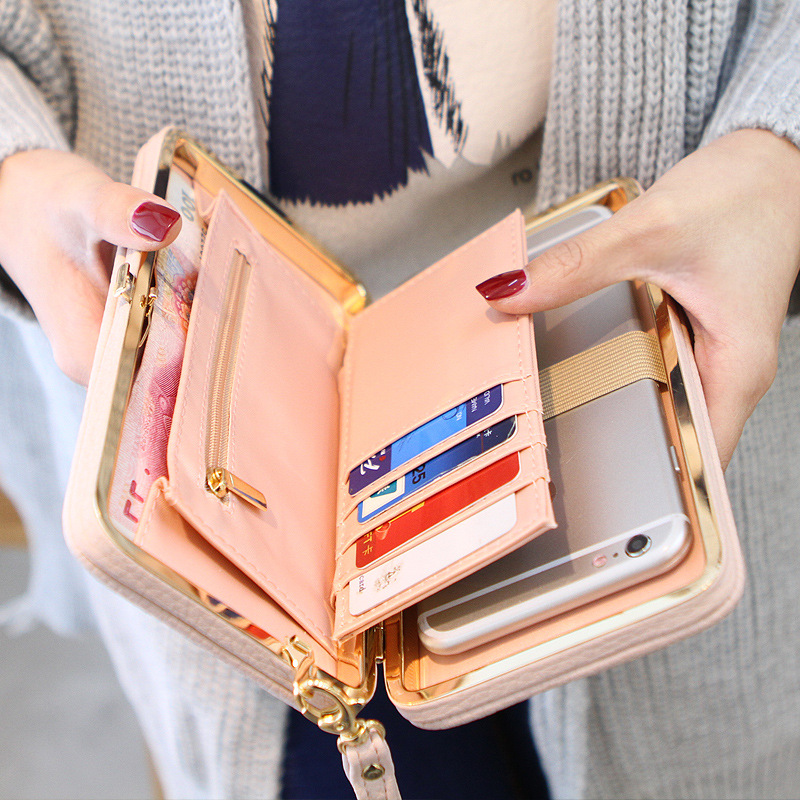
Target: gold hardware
x,y
222,380
147,302
221,482
340,713
124,282
372,772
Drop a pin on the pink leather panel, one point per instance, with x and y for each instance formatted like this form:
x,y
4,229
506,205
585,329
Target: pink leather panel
x,y
283,424
431,344
166,535
532,495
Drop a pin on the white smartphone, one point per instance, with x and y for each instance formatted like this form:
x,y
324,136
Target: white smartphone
x,y
618,503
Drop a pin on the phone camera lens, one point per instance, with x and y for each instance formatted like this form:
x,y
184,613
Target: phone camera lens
x,y
637,545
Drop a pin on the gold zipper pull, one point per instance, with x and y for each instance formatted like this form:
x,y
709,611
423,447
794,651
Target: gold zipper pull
x,y
221,481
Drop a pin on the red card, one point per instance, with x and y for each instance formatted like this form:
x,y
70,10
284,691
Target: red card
x,y
423,516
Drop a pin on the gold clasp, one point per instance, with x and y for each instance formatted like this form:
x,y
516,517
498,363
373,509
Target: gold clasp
x,y
339,715
147,302
124,282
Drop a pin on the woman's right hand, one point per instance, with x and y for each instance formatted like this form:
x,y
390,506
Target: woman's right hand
x,y
60,217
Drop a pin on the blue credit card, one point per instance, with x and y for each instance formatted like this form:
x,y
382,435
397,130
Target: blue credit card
x,y
440,465
426,436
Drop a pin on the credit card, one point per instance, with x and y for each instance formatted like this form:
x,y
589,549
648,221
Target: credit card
x,y
384,582
426,436
422,517
440,465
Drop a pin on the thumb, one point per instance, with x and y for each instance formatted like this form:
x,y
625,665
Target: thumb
x,y
567,271
124,215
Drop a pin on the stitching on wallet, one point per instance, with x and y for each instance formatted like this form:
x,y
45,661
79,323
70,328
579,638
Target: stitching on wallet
x,y
358,529
403,288
520,482
345,450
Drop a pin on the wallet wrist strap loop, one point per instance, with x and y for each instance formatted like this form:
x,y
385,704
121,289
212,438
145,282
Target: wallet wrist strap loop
x,y
600,370
366,758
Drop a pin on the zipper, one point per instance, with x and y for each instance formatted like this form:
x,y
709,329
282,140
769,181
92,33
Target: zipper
x,y
219,479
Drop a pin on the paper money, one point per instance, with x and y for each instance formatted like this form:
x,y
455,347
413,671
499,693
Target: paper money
x,y
142,453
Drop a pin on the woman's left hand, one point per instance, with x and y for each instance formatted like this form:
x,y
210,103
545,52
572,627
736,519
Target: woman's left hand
x,y
720,232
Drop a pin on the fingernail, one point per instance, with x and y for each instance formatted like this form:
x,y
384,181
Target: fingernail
x,y
504,285
153,221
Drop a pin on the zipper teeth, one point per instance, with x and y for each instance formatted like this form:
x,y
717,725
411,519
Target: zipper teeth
x,y
219,400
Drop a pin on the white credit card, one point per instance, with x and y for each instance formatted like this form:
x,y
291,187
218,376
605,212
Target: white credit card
x,y
387,580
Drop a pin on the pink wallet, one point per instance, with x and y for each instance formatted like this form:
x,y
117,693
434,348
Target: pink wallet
x,y
239,380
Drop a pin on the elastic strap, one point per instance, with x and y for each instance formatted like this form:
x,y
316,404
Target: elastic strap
x,y
600,370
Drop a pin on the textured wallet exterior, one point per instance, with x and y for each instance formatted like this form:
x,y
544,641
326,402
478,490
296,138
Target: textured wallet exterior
x,y
247,539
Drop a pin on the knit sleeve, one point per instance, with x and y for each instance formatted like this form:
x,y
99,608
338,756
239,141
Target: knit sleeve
x,y
35,99
764,86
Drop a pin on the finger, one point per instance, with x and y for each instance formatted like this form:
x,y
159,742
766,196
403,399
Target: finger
x,y
575,268
73,336
127,216
69,307
734,379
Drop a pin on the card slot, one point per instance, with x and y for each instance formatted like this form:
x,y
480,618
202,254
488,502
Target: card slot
x,y
430,344
529,523
274,435
351,529
515,400
522,468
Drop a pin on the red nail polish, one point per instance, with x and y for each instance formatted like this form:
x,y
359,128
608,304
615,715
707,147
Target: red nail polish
x,y
504,285
153,221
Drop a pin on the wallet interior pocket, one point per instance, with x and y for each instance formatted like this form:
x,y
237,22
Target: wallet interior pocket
x,y
430,345
427,516
509,435
445,430
492,526
252,455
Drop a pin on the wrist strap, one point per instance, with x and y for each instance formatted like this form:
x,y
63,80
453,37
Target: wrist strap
x,y
368,764
366,758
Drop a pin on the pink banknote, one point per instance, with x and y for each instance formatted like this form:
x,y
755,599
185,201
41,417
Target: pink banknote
x,y
142,453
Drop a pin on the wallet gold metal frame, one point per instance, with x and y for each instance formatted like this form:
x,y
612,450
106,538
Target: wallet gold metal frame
x,y
350,690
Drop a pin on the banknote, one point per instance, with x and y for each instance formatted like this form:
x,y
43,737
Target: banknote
x,y
142,453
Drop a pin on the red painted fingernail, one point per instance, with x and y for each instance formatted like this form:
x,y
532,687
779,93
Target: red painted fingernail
x,y
504,285
153,221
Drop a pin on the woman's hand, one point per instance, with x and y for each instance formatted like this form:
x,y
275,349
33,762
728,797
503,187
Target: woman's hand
x,y
59,218
720,232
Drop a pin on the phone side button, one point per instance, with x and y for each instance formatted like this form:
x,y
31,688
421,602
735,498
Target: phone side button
x,y
674,455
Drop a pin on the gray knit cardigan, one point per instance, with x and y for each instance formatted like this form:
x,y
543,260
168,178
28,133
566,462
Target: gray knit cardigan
x,y
636,85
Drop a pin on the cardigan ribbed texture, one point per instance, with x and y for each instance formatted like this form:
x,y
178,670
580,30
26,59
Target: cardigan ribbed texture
x,y
636,85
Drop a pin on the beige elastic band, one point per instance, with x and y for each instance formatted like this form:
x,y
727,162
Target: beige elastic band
x,y
599,370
